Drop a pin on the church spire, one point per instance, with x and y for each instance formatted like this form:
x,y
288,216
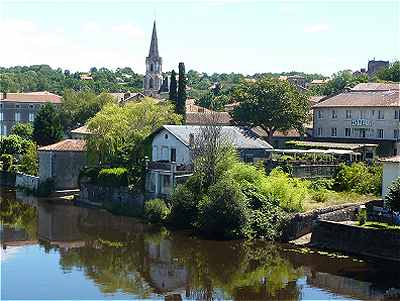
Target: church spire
x,y
154,43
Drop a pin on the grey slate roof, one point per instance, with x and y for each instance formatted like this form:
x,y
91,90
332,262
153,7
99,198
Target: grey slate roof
x,y
376,87
241,138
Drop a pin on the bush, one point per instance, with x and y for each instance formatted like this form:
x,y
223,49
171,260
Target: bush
x,y
29,162
320,196
224,212
362,216
11,144
24,130
392,197
321,184
156,211
360,178
114,177
7,160
184,210
91,173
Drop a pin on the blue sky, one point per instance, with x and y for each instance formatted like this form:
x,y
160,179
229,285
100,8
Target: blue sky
x,y
209,36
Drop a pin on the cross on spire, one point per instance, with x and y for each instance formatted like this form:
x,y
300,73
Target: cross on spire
x,y
154,42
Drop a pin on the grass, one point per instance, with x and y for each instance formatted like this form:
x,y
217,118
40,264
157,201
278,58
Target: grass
x,y
337,198
382,226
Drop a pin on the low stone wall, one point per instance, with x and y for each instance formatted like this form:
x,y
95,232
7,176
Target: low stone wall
x,y
118,196
7,179
26,181
358,240
301,224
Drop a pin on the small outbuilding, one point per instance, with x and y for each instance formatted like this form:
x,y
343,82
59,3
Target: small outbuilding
x,y
391,171
62,162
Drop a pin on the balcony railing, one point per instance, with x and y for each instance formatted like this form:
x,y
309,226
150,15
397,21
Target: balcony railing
x,y
169,166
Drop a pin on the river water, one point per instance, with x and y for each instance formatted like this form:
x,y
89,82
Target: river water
x,y
53,251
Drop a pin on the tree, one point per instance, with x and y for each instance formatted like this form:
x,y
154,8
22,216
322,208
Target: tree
x,y
24,130
29,163
173,96
391,73
272,104
341,80
47,128
392,197
181,100
118,133
78,107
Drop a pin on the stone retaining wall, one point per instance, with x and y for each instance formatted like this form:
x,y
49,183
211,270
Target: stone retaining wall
x,y
301,224
355,239
118,196
26,181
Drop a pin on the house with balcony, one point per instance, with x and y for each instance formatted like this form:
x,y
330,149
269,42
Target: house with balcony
x,y
171,161
369,114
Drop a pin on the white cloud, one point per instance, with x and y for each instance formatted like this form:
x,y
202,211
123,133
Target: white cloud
x,y
91,27
316,28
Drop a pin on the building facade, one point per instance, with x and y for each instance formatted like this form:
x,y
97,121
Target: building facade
x,y
171,160
360,116
22,107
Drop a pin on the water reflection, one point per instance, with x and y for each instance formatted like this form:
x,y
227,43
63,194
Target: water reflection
x,y
120,254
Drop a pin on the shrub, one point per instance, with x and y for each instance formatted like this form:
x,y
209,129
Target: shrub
x,y
362,216
224,212
321,184
24,130
156,211
91,173
11,144
7,160
114,177
288,192
360,178
320,196
392,197
184,209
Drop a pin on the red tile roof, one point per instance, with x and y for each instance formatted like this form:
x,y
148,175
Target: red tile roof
x,y
40,97
68,145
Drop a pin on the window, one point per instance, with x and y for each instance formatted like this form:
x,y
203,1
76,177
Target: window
x,y
348,114
1,116
347,132
151,83
4,130
17,106
380,133
173,155
31,106
334,115
320,115
333,132
166,136
381,115
17,116
31,117
396,133
396,114
319,132
362,114
151,67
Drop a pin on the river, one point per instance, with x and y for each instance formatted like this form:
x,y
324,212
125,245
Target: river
x,y
54,251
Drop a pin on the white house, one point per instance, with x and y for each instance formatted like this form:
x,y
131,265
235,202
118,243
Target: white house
x,y
391,171
172,160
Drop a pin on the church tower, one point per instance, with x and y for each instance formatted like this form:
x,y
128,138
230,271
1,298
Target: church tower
x,y
153,79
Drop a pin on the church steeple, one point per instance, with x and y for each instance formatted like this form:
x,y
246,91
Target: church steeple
x,y
154,43
153,80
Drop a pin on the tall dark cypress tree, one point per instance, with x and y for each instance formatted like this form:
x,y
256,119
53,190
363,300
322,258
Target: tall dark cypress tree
x,y
181,101
172,88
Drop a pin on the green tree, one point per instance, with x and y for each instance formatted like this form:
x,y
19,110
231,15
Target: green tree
x,y
173,96
272,104
29,163
392,197
24,130
47,128
341,80
391,73
11,144
181,101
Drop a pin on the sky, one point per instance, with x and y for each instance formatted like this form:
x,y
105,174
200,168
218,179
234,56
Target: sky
x,y
208,36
